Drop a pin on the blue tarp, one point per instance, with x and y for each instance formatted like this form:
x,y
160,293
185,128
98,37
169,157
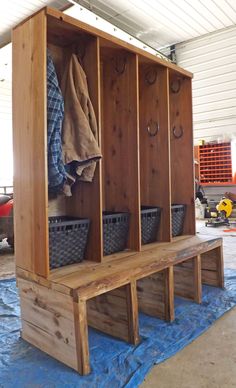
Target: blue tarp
x,y
114,363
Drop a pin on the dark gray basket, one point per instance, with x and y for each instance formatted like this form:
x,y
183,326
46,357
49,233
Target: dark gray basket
x,y
67,240
115,231
178,216
150,221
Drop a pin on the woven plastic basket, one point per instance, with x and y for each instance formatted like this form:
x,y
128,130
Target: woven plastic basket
x,y
67,240
115,232
150,221
178,216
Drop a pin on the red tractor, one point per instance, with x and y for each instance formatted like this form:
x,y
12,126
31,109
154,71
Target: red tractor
x,y
6,219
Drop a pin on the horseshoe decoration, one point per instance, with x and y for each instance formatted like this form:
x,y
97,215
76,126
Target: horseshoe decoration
x,y
153,128
175,85
120,65
151,76
178,132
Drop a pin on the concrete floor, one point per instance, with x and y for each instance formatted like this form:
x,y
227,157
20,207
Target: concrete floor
x,y
210,360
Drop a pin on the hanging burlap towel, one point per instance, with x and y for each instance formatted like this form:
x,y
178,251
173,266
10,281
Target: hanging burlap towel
x,y
79,132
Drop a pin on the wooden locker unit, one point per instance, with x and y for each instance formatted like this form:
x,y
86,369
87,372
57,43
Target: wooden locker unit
x,y
143,109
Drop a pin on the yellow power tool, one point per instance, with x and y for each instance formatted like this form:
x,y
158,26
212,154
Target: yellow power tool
x,y
225,207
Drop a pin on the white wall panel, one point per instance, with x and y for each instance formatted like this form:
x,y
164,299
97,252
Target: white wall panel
x,y
6,154
212,59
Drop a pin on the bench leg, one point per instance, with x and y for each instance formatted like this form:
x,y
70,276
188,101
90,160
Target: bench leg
x,y
187,279
132,312
156,294
81,337
116,313
213,267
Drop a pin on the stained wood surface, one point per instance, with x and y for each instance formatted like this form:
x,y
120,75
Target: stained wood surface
x,y
181,149
212,267
88,281
120,139
155,295
30,145
187,279
116,313
154,150
48,321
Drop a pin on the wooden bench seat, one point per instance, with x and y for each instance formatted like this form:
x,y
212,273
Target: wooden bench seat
x,y
107,296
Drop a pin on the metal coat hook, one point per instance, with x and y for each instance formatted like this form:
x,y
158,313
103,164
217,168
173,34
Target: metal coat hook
x,y
120,65
175,85
152,128
80,51
151,76
178,133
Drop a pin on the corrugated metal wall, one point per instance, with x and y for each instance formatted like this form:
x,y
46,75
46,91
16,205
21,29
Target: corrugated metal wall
x,y
212,59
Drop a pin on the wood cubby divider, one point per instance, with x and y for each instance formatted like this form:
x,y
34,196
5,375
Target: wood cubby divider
x,y
154,142
120,138
181,147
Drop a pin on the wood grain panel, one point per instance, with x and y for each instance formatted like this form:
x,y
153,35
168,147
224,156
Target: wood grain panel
x,y
30,145
154,150
155,294
120,139
181,148
48,321
187,279
48,343
112,314
212,267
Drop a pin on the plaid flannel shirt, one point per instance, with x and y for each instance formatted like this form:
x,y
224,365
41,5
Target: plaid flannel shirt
x,y
55,113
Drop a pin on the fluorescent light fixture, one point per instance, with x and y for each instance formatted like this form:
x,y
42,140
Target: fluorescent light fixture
x,y
86,16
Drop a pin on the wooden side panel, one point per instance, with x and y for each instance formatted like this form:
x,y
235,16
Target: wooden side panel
x,y
155,295
120,139
30,145
187,279
115,313
181,142
48,321
212,267
154,143
87,198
